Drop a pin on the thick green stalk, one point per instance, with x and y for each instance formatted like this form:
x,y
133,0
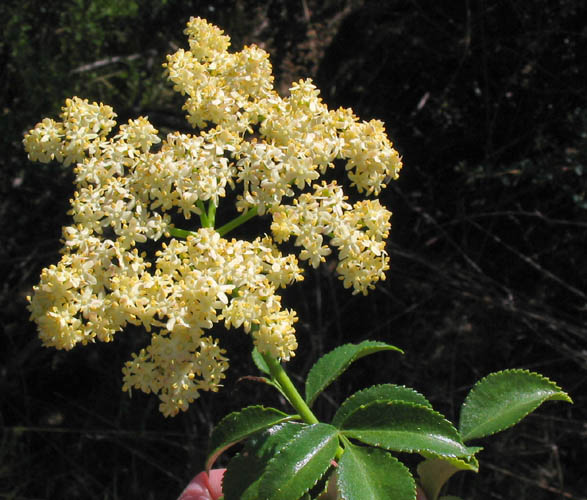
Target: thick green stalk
x,y
289,390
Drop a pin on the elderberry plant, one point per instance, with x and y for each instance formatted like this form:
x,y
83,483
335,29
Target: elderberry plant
x,y
272,155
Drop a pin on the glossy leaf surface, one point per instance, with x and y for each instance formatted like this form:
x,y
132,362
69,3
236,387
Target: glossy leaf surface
x,y
330,366
242,477
300,464
239,425
375,474
384,392
401,426
502,399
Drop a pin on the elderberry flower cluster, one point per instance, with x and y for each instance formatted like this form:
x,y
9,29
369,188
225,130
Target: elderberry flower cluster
x,y
273,152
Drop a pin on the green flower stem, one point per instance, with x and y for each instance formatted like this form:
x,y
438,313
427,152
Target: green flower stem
x,y
211,213
208,218
293,396
203,214
180,233
289,390
241,219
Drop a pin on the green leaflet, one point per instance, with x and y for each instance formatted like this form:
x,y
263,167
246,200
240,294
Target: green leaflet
x,y
502,399
330,366
374,474
407,427
260,363
299,465
239,425
242,477
384,392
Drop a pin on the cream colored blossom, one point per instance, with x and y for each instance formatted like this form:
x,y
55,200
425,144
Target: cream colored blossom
x,y
176,368
206,40
139,134
125,261
371,157
222,87
187,169
310,219
358,232
217,279
82,126
71,304
276,334
44,142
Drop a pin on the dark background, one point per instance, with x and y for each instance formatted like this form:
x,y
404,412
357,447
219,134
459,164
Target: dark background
x,y
485,101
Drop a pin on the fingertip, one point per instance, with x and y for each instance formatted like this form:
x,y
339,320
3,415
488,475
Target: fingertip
x,y
197,489
215,477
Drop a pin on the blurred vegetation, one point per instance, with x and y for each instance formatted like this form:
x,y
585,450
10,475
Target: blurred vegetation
x,y
486,103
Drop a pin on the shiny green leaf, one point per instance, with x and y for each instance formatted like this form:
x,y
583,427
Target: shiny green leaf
x,y
330,366
384,392
374,474
300,464
401,426
239,425
502,399
242,477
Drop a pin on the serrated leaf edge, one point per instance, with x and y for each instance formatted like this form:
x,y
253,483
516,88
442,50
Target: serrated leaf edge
x,y
344,432
396,461
284,447
358,393
430,456
372,347
562,396
213,454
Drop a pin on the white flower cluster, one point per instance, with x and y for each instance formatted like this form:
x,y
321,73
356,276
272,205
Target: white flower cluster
x,y
272,150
